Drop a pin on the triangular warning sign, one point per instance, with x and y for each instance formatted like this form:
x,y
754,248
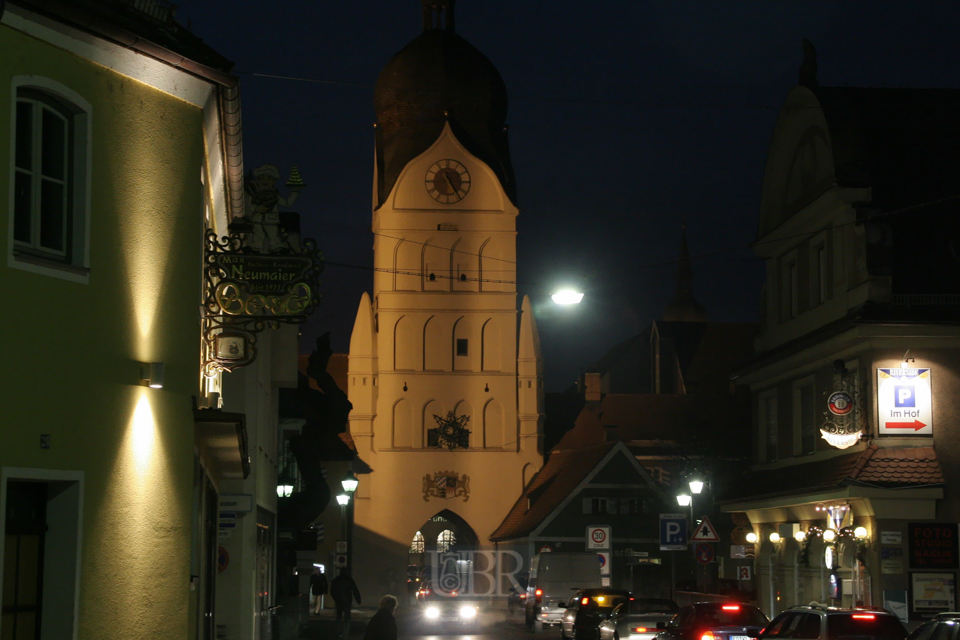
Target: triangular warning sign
x,y
705,532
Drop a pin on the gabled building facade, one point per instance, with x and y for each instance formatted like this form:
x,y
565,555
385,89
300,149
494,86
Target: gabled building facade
x,y
855,380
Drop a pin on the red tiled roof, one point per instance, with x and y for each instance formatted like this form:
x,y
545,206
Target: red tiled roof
x,y
653,417
548,488
880,466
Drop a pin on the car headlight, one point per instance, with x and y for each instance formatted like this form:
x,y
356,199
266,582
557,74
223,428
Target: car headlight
x,y
433,612
468,612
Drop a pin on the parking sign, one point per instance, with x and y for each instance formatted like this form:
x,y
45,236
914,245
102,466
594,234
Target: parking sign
x,y
673,532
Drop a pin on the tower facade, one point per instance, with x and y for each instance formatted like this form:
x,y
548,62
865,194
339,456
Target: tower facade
x,y
441,332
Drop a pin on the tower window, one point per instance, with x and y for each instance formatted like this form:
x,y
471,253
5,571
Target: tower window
x,y
433,277
462,346
463,277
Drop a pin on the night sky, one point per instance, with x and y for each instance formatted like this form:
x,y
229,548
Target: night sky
x,y
627,119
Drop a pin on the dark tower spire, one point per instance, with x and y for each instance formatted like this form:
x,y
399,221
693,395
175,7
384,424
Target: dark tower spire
x,y
808,68
684,307
434,11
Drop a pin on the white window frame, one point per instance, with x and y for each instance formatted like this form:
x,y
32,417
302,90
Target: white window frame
x,y
789,286
798,386
818,259
762,400
60,573
80,162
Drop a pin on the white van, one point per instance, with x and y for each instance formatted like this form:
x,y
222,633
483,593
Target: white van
x,y
554,577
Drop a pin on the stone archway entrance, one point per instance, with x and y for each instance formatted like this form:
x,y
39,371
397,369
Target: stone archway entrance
x,y
442,552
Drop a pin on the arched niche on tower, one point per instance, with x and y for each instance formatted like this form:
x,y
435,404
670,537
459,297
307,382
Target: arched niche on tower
x,y
464,408
463,266
430,409
462,347
493,431
402,425
436,267
406,266
436,351
405,343
491,267
490,346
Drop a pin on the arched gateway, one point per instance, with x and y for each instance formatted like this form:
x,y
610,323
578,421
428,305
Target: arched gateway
x,y
440,338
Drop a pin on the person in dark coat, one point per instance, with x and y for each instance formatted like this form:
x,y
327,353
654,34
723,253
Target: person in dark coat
x,y
343,590
383,626
318,587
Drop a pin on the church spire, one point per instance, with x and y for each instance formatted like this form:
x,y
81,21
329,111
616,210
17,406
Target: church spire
x,y
434,11
684,307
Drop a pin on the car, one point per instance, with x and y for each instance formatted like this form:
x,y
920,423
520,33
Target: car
x,y
441,609
943,626
587,609
553,577
637,619
815,622
715,621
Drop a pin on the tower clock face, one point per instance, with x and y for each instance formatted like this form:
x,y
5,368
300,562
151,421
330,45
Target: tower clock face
x,y
447,181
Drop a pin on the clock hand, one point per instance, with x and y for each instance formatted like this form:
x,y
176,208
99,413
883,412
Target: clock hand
x,y
446,176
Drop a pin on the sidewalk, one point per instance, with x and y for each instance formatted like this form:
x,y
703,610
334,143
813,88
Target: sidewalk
x,y
324,625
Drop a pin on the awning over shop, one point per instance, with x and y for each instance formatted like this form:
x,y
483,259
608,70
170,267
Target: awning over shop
x,y
222,440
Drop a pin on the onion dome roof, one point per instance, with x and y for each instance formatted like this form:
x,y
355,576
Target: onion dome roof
x,y
437,78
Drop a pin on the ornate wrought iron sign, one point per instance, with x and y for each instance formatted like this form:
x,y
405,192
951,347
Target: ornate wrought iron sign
x,y
446,484
245,293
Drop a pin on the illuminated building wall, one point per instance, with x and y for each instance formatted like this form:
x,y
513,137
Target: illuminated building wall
x,y
121,455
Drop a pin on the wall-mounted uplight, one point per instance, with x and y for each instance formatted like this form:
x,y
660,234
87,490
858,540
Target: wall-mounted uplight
x,y
151,374
752,537
906,362
829,535
860,533
800,536
775,538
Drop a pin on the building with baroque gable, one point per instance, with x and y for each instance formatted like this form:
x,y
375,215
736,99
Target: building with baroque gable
x,y
442,332
854,381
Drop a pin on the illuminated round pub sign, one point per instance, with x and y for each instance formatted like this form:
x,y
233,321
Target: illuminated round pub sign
x,y
840,403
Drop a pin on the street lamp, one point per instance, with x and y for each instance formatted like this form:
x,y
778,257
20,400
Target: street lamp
x,y
567,297
349,484
285,484
776,540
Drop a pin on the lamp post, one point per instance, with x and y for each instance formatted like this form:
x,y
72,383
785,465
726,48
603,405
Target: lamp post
x,y
775,539
349,484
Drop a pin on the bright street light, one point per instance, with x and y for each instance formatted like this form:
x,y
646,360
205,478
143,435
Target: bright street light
x,y
696,486
350,482
343,499
684,500
567,296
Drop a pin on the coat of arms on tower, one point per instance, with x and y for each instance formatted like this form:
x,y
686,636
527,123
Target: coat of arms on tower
x,y
446,484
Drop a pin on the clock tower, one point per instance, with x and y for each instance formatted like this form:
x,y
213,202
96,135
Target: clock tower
x,y
445,372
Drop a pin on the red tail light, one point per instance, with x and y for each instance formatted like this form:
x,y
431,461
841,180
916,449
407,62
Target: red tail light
x,y
731,607
707,635
539,594
454,593
639,629
584,602
863,616
523,596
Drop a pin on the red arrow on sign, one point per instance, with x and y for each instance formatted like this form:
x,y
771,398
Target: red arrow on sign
x,y
916,425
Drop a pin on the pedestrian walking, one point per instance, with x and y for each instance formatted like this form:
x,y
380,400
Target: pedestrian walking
x,y
318,587
383,626
344,590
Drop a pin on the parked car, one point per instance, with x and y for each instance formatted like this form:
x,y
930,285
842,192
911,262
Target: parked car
x,y
587,609
553,578
715,621
944,626
812,622
637,619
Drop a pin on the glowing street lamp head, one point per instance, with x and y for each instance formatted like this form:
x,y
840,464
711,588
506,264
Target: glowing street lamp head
x,y
343,499
684,500
567,296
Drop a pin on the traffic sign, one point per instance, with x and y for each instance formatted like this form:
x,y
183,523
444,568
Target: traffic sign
x,y
598,537
705,532
341,546
340,561
703,552
673,532
744,573
604,558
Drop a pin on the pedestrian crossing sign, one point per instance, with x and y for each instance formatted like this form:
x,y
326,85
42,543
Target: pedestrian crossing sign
x,y
705,532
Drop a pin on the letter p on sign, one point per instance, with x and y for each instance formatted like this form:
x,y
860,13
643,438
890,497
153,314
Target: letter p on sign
x,y
904,396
